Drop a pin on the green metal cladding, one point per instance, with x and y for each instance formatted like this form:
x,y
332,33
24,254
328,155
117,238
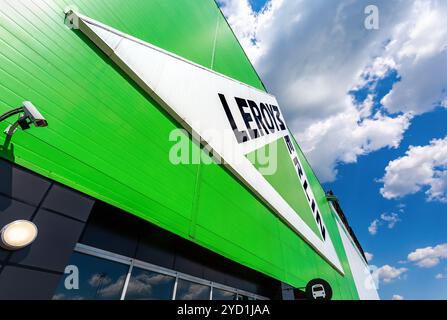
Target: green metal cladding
x,y
109,139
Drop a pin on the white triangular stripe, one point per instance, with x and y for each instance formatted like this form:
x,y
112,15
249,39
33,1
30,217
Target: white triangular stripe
x,y
111,39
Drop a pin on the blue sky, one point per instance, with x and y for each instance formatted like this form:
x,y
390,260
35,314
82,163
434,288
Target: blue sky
x,y
422,223
257,5
397,100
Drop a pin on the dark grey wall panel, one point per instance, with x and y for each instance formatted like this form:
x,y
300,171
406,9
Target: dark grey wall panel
x,y
54,244
27,284
3,255
157,249
68,202
21,184
14,210
189,264
213,274
33,272
112,229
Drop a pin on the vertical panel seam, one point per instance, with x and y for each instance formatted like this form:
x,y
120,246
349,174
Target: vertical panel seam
x,y
195,202
214,43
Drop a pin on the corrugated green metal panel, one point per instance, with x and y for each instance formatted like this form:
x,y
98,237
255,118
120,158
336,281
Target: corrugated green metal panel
x,y
238,225
299,258
229,57
107,138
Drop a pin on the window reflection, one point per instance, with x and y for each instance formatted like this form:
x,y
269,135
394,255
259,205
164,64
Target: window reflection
x,y
219,294
149,285
187,290
99,279
244,298
102,279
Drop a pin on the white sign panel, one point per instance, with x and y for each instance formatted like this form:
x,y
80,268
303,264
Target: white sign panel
x,y
363,279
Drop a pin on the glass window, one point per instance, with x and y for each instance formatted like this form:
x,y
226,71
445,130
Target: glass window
x,y
92,278
149,285
244,298
219,294
187,290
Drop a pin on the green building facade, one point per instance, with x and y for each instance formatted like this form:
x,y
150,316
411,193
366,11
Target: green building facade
x,y
109,139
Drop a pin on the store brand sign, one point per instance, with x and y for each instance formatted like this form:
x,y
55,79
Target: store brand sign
x,y
241,118
259,119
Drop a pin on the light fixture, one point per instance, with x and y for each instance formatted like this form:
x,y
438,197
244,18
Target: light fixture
x,y
18,234
28,114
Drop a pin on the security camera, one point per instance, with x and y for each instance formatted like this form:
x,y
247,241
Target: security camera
x,y
28,114
34,115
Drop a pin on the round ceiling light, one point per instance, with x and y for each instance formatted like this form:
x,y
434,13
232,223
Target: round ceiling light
x,y
18,234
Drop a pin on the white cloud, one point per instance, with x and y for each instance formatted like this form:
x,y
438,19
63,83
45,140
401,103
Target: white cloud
x,y
372,229
397,297
441,276
429,256
419,48
421,167
311,54
369,256
250,26
389,219
99,279
142,284
192,292
388,273
114,288
345,136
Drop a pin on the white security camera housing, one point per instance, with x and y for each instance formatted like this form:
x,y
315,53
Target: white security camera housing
x,y
34,115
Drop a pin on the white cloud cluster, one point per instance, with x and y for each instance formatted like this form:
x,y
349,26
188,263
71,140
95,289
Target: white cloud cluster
x,y
389,219
421,167
429,256
369,256
441,276
388,273
247,23
344,137
397,297
311,54
98,279
372,229
418,48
